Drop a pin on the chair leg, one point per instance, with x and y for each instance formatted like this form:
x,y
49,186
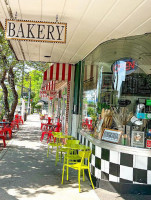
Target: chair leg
x,y
56,156
4,143
79,179
5,134
51,149
62,174
42,137
67,170
18,126
91,179
10,134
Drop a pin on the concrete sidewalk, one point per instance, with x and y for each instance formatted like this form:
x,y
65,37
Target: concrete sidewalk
x,y
26,173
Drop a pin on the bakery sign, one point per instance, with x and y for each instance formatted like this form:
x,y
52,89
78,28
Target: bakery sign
x,y
36,31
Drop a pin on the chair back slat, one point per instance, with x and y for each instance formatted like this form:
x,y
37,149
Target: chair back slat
x,y
85,154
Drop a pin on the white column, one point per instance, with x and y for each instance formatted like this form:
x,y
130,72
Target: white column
x,y
71,101
23,108
75,123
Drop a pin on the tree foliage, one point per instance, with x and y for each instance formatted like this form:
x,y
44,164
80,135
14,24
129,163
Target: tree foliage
x,y
12,72
32,82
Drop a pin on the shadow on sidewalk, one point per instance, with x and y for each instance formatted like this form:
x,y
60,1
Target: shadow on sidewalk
x,y
26,172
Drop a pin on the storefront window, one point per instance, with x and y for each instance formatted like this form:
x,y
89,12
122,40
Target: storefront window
x,y
89,111
116,103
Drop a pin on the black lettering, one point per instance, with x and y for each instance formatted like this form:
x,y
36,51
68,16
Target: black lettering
x,y
11,29
40,30
50,32
59,32
30,27
20,30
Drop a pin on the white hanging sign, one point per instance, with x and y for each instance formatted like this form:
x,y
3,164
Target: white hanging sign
x,y
36,31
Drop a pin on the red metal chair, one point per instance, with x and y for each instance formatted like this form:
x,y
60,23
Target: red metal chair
x,y
58,127
43,134
16,116
2,136
45,131
14,124
21,119
85,123
49,135
8,129
43,124
49,120
90,125
18,119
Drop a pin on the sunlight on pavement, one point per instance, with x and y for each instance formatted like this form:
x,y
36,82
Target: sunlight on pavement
x,y
27,144
55,192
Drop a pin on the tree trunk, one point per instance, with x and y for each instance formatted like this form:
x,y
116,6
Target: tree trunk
x,y
5,93
15,95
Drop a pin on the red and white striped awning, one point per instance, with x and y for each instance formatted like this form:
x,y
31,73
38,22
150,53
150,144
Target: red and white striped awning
x,y
48,89
57,72
50,86
43,94
55,78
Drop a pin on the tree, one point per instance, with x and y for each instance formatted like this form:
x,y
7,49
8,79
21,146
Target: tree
x,y
11,72
34,80
7,62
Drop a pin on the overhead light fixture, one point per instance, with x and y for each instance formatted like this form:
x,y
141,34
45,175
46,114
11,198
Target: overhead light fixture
x,y
47,56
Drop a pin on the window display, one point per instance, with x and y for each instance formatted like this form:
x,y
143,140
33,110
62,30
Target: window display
x,y
117,99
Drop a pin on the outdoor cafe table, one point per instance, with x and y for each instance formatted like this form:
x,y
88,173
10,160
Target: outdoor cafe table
x,y
47,119
58,137
51,126
44,120
2,123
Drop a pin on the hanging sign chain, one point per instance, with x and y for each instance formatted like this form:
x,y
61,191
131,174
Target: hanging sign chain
x,y
16,15
56,18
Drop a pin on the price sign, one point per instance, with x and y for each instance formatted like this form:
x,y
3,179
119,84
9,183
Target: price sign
x,y
111,135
